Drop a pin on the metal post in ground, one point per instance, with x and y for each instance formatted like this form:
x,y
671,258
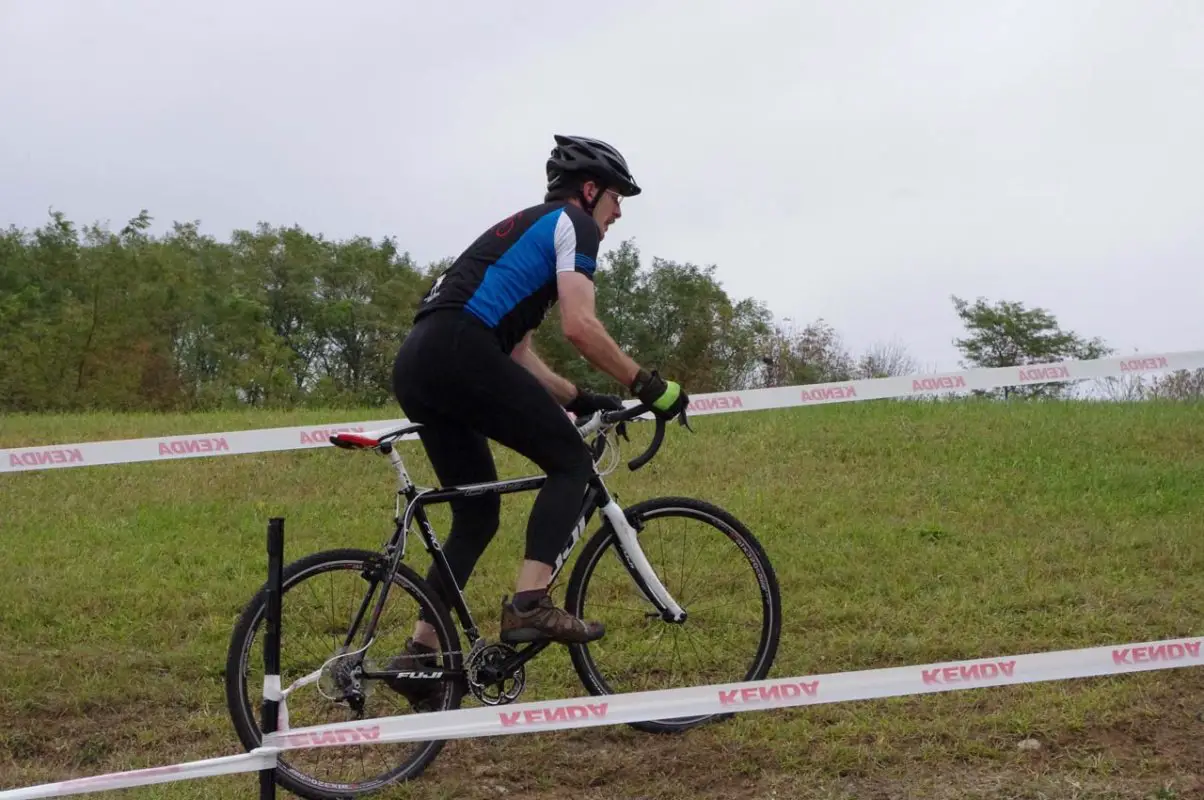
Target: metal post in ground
x,y
271,648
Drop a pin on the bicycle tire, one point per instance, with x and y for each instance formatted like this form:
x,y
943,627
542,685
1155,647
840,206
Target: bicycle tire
x,y
245,715
602,542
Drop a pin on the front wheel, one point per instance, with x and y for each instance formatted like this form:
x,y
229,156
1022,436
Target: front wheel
x,y
717,572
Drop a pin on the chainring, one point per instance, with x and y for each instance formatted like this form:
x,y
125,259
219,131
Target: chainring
x,y
491,655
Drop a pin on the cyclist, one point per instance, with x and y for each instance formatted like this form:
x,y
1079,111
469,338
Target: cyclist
x,y
468,371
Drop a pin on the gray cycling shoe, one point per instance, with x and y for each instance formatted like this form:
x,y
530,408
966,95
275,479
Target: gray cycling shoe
x,y
546,622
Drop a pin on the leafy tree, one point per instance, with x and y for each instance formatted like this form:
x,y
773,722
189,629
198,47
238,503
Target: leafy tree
x,y
1007,334
672,317
811,354
126,320
886,360
366,295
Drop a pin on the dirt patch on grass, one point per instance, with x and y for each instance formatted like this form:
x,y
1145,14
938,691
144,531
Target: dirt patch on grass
x,y
631,765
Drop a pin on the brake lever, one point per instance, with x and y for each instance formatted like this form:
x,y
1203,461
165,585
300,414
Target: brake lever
x,y
681,420
621,431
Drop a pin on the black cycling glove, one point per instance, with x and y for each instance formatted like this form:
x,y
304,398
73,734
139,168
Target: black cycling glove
x,y
666,399
587,402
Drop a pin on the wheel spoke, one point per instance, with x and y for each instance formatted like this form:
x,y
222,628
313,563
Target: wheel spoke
x,y
313,617
726,636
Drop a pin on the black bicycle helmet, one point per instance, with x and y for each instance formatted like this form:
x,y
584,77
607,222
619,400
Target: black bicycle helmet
x,y
591,158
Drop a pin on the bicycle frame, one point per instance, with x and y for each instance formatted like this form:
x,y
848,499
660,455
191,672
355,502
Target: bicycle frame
x,y
415,501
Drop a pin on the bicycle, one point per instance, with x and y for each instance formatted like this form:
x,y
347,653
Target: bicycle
x,y
492,671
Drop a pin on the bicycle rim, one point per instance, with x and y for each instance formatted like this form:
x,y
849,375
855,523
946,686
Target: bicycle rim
x,y
297,770
718,573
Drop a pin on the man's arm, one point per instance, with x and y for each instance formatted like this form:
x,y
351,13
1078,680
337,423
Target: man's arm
x,y
585,331
560,388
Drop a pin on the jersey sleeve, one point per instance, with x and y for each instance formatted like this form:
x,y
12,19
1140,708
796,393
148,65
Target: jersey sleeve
x,y
577,243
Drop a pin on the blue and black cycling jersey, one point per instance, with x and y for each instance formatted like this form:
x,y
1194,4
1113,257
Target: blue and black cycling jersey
x,y
507,277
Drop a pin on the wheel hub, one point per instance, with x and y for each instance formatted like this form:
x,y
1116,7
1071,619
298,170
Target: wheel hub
x,y
340,681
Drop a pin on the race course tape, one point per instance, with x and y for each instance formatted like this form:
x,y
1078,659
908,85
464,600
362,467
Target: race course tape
x,y
582,712
210,767
750,696
125,451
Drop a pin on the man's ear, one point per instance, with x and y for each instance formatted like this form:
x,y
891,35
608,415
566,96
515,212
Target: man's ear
x,y
590,190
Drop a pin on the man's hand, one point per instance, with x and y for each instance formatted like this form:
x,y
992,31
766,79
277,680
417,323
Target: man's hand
x,y
666,399
587,402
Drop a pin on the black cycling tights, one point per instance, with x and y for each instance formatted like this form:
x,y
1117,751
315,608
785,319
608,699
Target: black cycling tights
x,y
452,375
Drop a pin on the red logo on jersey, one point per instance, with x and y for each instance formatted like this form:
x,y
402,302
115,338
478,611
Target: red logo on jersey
x,y
504,229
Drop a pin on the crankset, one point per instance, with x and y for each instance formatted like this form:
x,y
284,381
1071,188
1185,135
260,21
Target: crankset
x,y
491,676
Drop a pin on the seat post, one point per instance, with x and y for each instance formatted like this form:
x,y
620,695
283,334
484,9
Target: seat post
x,y
404,484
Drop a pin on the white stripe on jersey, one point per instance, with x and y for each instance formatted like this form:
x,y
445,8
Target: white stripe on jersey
x,y
566,244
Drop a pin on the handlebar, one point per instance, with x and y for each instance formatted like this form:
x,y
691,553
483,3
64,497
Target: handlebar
x,y
621,417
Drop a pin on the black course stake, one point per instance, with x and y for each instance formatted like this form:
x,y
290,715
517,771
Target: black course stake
x,y
271,648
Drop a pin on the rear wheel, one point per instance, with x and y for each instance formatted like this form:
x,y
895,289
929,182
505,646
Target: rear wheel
x,y
714,568
321,596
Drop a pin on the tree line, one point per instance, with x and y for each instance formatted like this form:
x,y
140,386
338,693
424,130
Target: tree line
x,y
279,317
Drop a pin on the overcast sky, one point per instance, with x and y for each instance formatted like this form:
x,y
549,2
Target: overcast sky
x,y
857,161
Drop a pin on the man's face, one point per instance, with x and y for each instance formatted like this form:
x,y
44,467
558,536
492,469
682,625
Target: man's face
x,y
607,210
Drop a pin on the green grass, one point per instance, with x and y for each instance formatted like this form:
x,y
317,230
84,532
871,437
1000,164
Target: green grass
x,y
902,533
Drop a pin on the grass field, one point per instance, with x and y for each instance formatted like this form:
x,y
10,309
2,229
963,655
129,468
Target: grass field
x,y
902,533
